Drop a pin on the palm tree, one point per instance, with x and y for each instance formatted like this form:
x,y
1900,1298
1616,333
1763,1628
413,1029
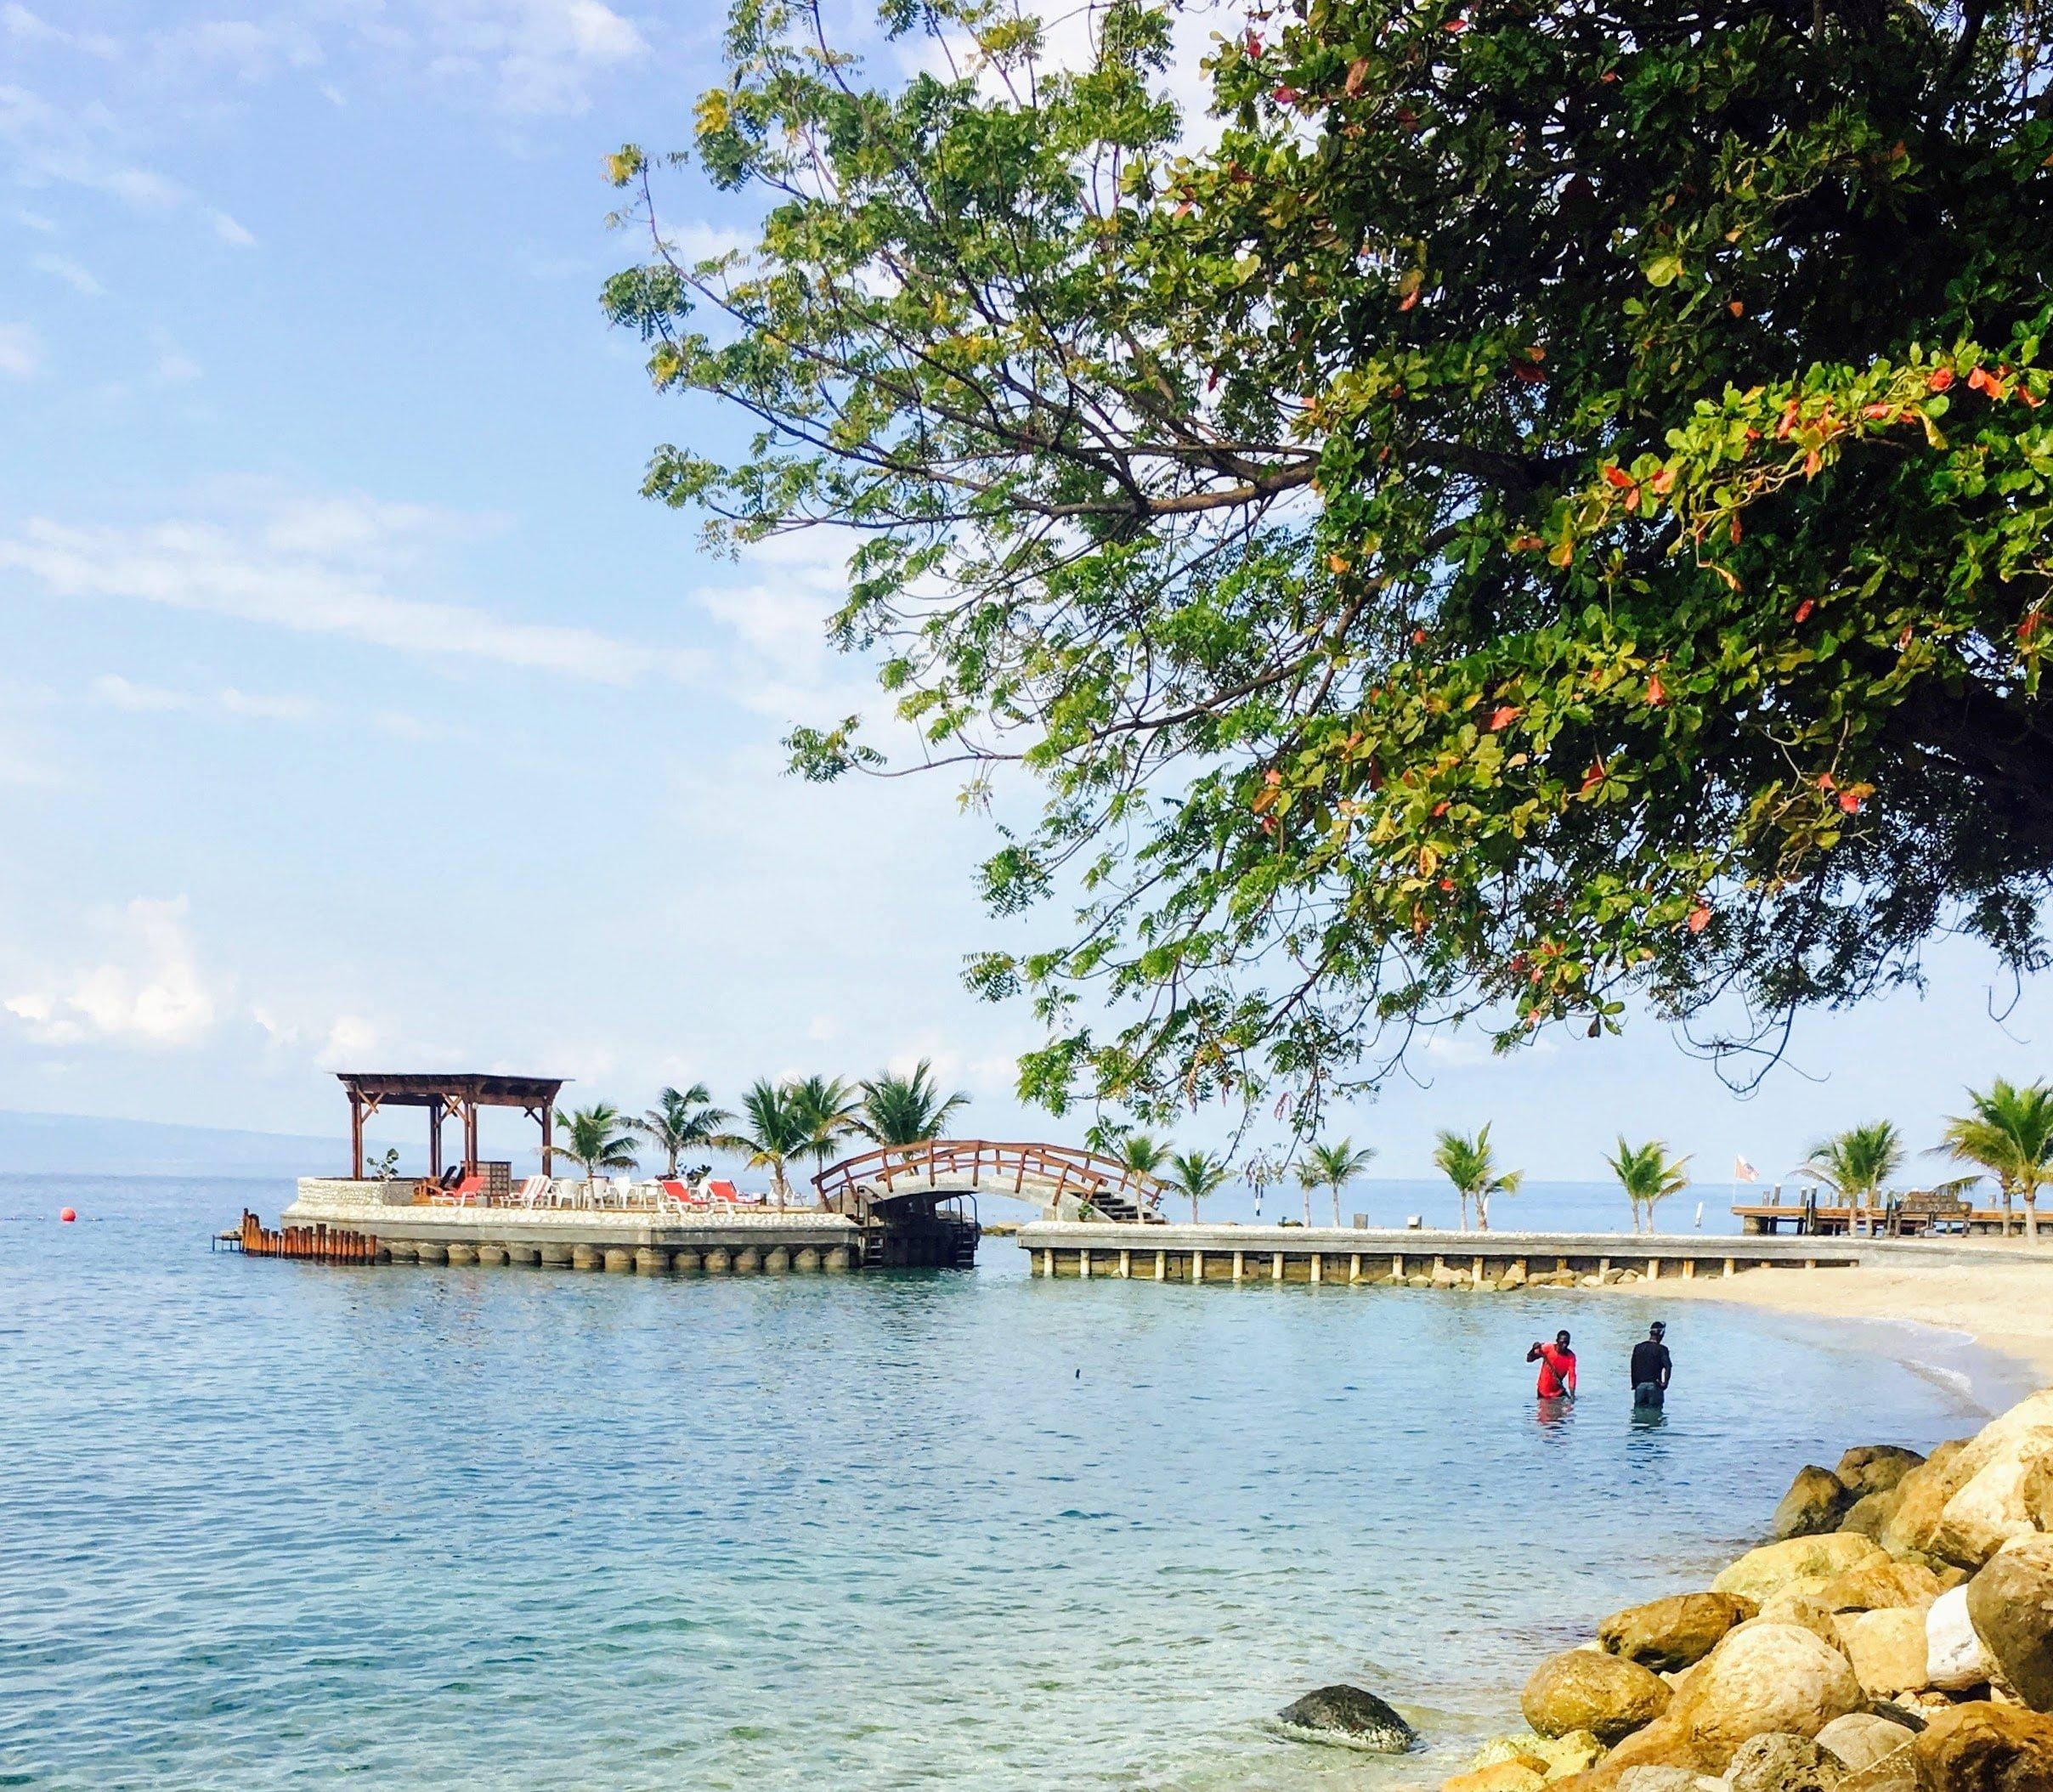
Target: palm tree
x,y
1856,1163
1648,1175
2010,1134
1333,1166
1196,1175
829,1107
1139,1154
776,1128
906,1109
683,1119
1470,1166
600,1139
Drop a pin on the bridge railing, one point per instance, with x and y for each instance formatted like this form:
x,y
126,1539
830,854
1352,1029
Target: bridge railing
x,y
982,1166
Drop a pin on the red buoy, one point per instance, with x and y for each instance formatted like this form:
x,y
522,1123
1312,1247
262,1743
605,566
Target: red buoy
x,y
69,1215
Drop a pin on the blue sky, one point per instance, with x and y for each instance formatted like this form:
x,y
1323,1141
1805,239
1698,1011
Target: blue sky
x,y
356,710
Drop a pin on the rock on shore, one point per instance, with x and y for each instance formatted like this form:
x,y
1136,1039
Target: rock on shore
x,y
1349,1717
1894,1635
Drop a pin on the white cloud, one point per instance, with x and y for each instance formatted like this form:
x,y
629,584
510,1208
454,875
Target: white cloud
x,y
63,268
20,352
324,568
176,368
121,693
351,1041
230,231
542,52
149,990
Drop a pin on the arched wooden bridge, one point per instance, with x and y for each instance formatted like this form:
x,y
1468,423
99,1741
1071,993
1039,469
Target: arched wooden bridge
x,y
942,1168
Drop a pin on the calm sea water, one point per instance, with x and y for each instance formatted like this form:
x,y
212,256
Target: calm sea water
x,y
272,1525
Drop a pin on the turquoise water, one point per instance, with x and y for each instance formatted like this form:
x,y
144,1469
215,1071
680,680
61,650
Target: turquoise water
x,y
273,1525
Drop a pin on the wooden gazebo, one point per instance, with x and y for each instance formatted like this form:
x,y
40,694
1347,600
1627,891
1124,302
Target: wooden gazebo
x,y
447,1097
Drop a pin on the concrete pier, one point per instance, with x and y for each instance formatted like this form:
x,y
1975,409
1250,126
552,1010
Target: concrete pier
x,y
715,1241
1355,1256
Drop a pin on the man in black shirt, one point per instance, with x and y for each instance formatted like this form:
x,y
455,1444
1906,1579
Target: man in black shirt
x,y
1651,1367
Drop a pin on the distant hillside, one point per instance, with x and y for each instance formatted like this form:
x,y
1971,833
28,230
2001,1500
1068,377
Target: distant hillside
x,y
84,1144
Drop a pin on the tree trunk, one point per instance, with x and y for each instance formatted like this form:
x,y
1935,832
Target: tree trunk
x,y
1482,1212
1336,1207
2031,1215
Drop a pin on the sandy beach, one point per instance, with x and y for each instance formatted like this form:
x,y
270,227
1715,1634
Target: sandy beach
x,y
2006,1304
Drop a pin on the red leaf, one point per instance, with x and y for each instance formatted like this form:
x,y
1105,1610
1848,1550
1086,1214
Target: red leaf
x,y
1504,715
1848,801
1657,692
1804,609
1410,299
1254,43
1358,72
1876,410
1812,462
1979,380
1618,476
1700,919
1285,96
1438,809
2028,627
2025,393
1455,27
1446,883
1826,782
1592,777
1942,377
1904,640
1736,307
1526,374
1664,480
1418,637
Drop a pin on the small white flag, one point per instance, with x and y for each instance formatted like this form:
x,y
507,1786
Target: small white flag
x,y
1744,1172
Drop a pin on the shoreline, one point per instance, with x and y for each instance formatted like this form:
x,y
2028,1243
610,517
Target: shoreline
x,y
1999,1312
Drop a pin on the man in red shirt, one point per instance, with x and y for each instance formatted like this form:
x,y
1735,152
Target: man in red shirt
x,y
1557,1368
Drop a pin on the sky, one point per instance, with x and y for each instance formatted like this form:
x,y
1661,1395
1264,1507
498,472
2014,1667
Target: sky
x,y
358,713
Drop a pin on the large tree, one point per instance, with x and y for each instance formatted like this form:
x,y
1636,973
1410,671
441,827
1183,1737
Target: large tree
x,y
1530,502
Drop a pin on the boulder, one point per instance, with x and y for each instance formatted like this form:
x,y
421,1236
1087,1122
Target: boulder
x,y
1869,1515
1586,1689
1762,1677
1503,1776
1349,1717
1921,1497
1954,1657
2036,1493
1780,1761
1762,1572
1665,1743
1514,1277
1989,1510
2011,1604
1969,1498
1985,1748
1527,1748
1874,1468
1887,1650
1860,1739
1877,1584
1816,1501
1667,1779
1799,1604
1666,1634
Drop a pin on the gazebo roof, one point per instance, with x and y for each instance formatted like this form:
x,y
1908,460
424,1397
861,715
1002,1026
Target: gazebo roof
x,y
402,1088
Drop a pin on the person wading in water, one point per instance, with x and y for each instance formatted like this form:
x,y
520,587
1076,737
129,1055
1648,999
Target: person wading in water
x,y
1557,1368
1652,1366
